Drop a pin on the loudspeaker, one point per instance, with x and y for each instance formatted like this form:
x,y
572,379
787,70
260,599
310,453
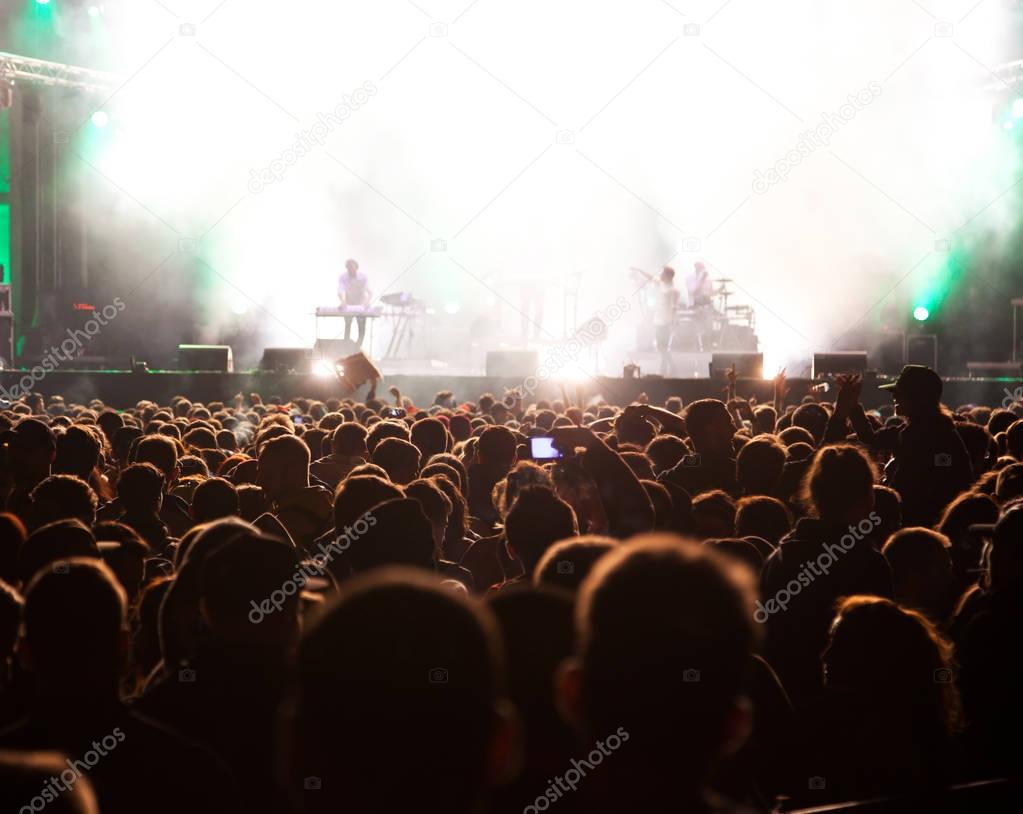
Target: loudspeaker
x,y
922,349
285,360
748,365
839,361
334,349
355,370
512,364
891,353
216,358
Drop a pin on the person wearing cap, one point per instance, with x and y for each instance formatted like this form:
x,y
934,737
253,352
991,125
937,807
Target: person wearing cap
x,y
929,464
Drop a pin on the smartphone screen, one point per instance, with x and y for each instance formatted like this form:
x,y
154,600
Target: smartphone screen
x,y
543,448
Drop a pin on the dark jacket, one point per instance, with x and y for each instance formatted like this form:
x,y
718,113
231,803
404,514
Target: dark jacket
x,y
701,473
929,464
226,699
814,566
141,765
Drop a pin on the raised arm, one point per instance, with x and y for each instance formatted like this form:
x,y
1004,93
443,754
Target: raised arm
x,y
626,503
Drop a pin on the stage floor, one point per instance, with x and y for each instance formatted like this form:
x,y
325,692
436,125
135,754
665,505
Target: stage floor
x,y
121,389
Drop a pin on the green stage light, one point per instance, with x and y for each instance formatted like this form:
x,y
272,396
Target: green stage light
x,y
920,313
1017,109
43,2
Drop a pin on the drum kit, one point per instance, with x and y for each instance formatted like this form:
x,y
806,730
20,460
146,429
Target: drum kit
x,y
723,326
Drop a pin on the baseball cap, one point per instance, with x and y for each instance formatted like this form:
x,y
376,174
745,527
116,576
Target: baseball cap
x,y
917,380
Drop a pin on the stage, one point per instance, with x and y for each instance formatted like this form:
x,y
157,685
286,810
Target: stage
x,y
120,389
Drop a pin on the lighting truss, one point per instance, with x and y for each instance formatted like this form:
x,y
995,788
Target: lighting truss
x,y
16,69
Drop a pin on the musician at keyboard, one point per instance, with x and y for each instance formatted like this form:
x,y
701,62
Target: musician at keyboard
x,y
354,295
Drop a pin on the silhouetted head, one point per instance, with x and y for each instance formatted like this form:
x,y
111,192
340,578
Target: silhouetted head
x,y
681,618
398,653
80,595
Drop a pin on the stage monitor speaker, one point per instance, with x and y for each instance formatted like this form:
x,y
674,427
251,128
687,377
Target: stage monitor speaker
x,y
213,358
839,361
748,364
922,349
286,360
334,349
890,353
512,364
355,370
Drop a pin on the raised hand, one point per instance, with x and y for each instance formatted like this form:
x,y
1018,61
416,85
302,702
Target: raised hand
x,y
850,385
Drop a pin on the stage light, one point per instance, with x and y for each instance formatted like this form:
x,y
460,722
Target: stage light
x,y
95,11
920,313
1017,109
240,308
100,118
452,308
321,367
42,2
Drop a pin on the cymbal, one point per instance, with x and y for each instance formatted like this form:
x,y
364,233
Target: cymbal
x,y
401,299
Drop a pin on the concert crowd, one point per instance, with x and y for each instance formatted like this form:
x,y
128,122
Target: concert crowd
x,y
495,604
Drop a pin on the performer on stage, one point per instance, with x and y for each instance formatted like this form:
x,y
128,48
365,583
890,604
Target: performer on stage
x,y
701,290
668,297
353,292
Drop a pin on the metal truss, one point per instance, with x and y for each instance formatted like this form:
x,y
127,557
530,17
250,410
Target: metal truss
x,y
15,69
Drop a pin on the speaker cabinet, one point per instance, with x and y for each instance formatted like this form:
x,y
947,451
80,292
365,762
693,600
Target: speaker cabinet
x,y
512,364
748,364
214,358
839,361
